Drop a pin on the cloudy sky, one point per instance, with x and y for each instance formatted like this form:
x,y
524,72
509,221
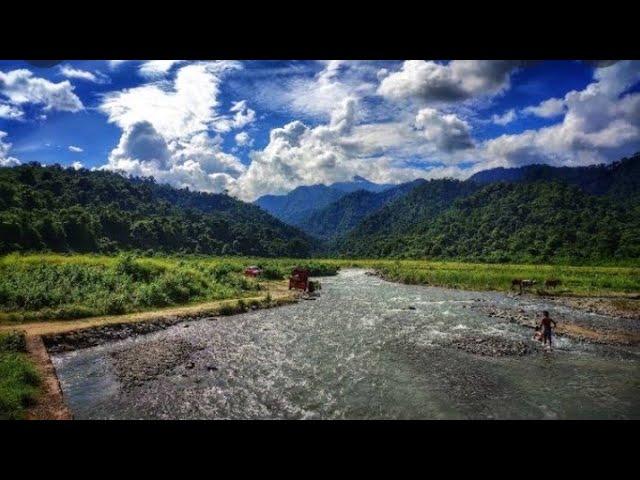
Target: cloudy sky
x,y
258,127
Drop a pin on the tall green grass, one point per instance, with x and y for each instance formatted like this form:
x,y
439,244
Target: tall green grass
x,y
44,287
583,280
18,377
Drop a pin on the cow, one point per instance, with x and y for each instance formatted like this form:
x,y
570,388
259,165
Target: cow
x,y
552,283
522,284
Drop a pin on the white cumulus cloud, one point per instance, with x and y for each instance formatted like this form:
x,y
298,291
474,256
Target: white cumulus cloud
x,y
69,71
446,131
5,159
243,139
601,123
153,69
506,118
341,149
167,129
240,116
22,87
458,80
10,112
73,148
552,107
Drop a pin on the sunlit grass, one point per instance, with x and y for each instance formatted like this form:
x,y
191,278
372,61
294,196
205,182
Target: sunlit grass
x,y
59,287
582,280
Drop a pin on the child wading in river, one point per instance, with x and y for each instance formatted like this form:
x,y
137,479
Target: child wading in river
x,y
545,323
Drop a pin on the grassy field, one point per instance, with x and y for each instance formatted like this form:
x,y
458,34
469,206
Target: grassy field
x,y
63,287
18,377
578,281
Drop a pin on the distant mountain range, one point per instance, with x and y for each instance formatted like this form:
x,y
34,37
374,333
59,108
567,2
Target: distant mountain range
x,y
535,211
302,202
525,214
348,211
618,178
528,214
517,214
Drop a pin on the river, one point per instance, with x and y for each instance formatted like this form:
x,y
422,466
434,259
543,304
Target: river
x,y
364,349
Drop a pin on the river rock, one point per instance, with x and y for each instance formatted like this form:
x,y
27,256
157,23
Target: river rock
x,y
490,346
147,360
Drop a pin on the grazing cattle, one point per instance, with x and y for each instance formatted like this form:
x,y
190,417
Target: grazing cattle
x,y
552,283
522,284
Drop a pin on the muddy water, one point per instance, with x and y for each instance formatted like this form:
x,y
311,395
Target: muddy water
x,y
357,352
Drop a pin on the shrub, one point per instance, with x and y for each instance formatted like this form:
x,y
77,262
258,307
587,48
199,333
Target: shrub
x,y
127,265
226,310
272,273
12,342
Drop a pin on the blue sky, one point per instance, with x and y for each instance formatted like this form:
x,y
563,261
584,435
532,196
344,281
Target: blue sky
x,y
257,127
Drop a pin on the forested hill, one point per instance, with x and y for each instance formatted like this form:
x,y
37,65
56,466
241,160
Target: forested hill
x,y
346,213
621,178
299,203
515,222
98,211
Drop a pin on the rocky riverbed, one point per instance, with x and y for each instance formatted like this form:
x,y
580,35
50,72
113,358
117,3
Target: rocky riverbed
x,y
91,337
365,348
492,346
146,362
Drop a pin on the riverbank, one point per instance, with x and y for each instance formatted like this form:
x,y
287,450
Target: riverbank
x,y
574,281
621,305
98,332
40,288
44,399
603,329
613,291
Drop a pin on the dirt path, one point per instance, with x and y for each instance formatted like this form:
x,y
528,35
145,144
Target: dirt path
x,y
50,404
278,291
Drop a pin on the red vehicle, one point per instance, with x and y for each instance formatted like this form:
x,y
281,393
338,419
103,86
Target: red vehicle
x,y
299,279
252,271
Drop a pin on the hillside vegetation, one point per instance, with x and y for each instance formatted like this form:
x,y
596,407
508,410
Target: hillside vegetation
x,y
525,221
64,210
533,214
44,287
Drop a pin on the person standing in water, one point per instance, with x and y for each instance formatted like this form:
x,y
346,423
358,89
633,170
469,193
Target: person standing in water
x,y
545,323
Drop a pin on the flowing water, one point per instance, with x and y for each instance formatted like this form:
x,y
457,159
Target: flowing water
x,y
356,352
